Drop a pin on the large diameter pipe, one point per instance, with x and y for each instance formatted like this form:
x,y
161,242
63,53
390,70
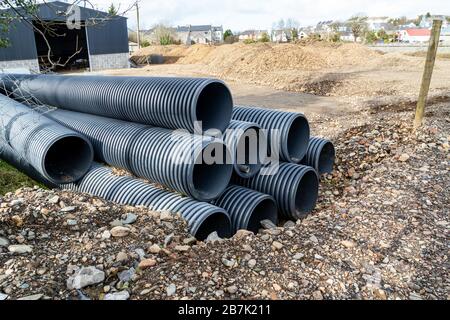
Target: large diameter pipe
x,y
202,218
10,156
247,208
243,139
320,155
175,159
59,154
292,129
174,103
294,187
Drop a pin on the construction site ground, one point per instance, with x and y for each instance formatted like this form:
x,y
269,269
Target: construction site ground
x,y
380,230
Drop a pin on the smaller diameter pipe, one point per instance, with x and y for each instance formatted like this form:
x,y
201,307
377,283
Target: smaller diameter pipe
x,y
247,208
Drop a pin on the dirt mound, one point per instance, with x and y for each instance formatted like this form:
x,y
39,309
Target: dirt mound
x,y
315,67
265,57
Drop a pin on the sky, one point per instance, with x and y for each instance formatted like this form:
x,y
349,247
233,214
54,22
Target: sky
x,y
240,15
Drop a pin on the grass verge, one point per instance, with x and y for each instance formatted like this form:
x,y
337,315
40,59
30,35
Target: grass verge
x,y
11,179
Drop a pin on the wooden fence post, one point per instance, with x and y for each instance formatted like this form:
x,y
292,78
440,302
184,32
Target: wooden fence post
x,y
428,72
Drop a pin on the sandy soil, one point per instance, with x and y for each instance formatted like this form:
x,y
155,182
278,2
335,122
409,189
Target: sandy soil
x,y
314,78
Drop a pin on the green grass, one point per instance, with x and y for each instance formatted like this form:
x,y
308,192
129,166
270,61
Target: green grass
x,y
11,179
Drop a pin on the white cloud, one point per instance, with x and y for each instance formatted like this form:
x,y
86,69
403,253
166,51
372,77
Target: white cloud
x,y
246,14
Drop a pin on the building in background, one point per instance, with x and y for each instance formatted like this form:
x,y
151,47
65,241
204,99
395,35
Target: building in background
x,y
414,35
253,35
202,34
101,41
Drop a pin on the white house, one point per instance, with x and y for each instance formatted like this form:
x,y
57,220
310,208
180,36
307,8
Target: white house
x,y
203,34
254,35
414,35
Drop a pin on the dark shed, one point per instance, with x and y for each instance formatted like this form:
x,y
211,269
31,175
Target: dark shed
x,y
102,41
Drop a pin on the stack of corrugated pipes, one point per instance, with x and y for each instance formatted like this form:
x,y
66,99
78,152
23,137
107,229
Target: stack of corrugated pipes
x,y
187,148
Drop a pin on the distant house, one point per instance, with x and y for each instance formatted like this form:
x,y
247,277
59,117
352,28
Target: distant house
x,y
389,28
254,35
348,36
202,34
427,22
281,36
445,35
303,35
377,23
414,35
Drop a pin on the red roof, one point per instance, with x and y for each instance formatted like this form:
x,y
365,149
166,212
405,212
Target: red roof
x,y
418,32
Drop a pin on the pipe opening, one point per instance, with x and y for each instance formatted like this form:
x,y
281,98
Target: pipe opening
x,y
210,180
265,210
298,139
248,163
307,193
214,107
68,159
216,222
326,158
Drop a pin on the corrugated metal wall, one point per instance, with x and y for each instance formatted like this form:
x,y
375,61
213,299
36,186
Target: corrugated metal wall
x,y
108,37
22,44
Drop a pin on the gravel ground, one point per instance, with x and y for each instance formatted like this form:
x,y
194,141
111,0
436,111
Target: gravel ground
x,y
380,231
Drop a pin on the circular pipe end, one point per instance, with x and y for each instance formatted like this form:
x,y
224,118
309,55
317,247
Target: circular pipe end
x,y
210,177
266,209
297,142
68,159
326,159
216,222
214,106
247,163
306,193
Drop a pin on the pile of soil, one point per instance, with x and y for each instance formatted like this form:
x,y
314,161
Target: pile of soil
x,y
320,68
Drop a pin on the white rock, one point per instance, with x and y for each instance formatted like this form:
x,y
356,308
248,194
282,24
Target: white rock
x,y
171,290
268,224
117,296
298,256
119,232
213,237
130,218
404,157
20,248
348,244
54,200
3,296
68,209
4,242
34,297
251,263
106,235
84,277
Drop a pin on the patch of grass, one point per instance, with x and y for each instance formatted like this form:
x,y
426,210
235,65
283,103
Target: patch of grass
x,y
11,179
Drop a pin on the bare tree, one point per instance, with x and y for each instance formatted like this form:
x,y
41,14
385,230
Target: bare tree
x,y
164,35
358,25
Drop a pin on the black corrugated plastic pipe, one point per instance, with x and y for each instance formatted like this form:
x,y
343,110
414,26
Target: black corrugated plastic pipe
x,y
320,155
174,103
247,208
203,218
56,152
293,129
294,187
239,138
10,156
157,154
